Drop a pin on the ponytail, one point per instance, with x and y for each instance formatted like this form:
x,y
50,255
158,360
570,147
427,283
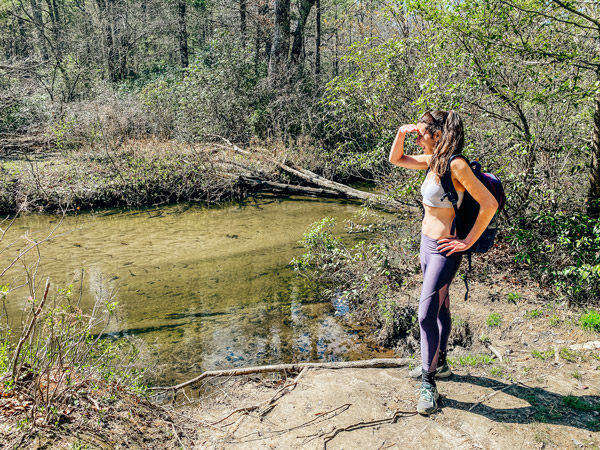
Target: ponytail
x,y
451,142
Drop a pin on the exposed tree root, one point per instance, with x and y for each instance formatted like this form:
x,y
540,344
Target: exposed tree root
x,y
378,363
266,406
365,424
320,418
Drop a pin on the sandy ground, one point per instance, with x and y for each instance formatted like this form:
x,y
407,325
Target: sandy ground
x,y
476,411
521,402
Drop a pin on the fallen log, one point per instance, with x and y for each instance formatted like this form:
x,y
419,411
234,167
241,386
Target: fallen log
x,y
322,182
288,189
377,363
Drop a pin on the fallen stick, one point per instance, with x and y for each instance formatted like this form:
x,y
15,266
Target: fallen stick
x,y
487,397
494,351
377,363
288,189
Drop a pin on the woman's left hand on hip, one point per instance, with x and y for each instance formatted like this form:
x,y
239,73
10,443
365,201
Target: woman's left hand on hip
x,y
451,245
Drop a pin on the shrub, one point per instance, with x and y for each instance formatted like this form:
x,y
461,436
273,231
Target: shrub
x,y
513,297
567,355
496,372
61,352
493,320
554,321
542,355
533,313
590,321
562,249
109,118
366,274
362,110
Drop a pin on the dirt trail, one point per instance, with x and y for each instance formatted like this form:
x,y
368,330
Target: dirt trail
x,y
542,395
476,411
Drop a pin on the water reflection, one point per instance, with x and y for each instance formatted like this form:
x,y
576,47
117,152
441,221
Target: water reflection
x,y
206,288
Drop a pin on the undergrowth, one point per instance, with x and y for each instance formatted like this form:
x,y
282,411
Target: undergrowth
x,y
367,273
562,250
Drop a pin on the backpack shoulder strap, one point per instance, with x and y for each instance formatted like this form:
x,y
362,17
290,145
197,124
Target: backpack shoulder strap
x,y
449,189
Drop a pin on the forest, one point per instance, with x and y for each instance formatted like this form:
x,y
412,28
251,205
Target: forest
x,y
323,85
110,103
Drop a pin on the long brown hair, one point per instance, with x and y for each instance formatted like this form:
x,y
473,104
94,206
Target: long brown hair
x,y
451,142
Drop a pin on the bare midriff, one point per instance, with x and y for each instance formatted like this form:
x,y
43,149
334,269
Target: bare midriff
x,y
437,222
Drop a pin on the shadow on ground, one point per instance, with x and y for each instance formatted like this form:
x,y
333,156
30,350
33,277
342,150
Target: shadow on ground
x,y
545,406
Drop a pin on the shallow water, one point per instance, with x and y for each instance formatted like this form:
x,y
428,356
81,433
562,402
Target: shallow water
x,y
204,287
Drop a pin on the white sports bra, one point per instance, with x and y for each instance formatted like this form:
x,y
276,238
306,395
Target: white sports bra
x,y
432,191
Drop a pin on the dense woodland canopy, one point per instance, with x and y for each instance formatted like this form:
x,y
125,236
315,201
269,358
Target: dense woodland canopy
x,y
332,80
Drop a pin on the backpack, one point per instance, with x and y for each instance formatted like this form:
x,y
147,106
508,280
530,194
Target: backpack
x,y
467,213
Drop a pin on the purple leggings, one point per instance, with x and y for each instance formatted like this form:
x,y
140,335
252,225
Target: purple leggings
x,y
434,305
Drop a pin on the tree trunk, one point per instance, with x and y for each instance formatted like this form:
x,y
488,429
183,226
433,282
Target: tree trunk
x,y
336,59
261,36
53,23
38,20
183,38
22,46
593,203
111,57
305,7
281,39
243,10
318,43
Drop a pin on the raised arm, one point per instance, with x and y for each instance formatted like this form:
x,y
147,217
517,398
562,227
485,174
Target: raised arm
x,y
397,156
488,206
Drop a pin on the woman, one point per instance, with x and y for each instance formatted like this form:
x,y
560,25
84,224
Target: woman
x,y
440,135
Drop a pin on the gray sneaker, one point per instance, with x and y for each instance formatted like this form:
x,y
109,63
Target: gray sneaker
x,y
428,397
440,372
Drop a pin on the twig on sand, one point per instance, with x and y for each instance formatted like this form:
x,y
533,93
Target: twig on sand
x,y
270,404
488,396
177,436
494,351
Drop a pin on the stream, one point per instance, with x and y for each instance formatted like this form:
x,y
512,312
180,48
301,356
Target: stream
x,y
203,287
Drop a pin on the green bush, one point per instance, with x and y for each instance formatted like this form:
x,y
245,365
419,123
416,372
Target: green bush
x,y
568,355
493,320
61,358
367,275
542,355
562,249
363,110
533,313
590,321
513,297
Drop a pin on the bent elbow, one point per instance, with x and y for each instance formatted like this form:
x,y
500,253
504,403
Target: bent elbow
x,y
492,204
